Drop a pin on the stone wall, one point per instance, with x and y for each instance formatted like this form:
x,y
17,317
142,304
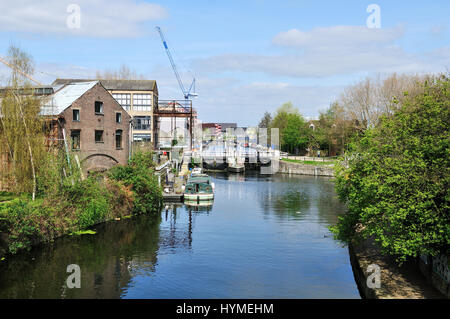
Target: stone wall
x,y
396,282
304,169
437,271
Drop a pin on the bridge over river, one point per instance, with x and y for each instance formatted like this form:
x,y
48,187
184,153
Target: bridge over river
x,y
220,155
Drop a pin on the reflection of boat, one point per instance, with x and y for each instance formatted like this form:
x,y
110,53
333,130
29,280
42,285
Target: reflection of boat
x,y
199,188
199,206
236,165
236,168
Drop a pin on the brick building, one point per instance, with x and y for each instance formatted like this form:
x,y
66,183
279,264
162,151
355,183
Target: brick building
x,y
138,97
93,124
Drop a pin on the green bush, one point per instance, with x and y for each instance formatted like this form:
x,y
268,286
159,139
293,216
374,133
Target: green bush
x,y
22,219
75,205
396,184
90,197
139,175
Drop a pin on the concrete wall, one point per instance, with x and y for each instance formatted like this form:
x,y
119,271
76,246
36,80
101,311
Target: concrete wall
x,y
435,275
96,155
303,169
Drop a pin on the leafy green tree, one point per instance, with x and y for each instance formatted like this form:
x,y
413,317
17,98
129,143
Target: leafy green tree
x,y
295,134
292,128
396,179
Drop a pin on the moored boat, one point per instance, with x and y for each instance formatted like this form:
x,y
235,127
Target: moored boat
x,y
236,168
199,188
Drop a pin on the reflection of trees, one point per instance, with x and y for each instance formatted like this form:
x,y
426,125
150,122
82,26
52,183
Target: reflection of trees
x,y
292,194
284,199
328,205
104,260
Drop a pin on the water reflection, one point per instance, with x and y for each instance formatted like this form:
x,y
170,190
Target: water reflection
x,y
106,261
261,237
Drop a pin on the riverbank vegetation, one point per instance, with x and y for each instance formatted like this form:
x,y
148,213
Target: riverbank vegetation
x,y
359,107
393,137
76,204
395,177
47,193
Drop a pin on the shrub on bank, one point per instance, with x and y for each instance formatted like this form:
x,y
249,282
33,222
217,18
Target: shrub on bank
x,y
139,176
396,181
80,204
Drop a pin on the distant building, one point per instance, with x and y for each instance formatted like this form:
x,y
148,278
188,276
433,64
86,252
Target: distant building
x,y
138,97
214,128
225,126
91,121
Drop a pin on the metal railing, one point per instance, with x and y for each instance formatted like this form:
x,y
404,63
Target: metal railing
x,y
174,107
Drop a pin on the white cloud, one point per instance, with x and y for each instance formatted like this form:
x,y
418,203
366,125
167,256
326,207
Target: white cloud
x,y
332,51
99,18
337,37
246,103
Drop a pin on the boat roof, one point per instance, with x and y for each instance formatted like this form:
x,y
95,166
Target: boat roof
x,y
199,178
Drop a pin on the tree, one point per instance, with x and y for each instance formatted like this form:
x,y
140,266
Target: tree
x,y
396,180
292,128
21,125
281,116
367,101
333,129
265,121
295,134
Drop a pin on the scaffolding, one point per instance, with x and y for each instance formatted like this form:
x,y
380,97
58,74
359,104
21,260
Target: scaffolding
x,y
174,109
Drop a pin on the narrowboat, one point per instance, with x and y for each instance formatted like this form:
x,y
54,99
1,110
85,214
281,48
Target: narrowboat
x,y
199,188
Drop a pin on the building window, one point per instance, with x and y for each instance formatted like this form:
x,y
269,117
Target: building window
x,y
142,102
118,117
98,107
142,138
124,99
98,136
142,123
76,115
118,139
75,136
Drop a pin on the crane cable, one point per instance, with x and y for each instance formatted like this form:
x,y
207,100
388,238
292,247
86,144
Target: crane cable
x,y
20,71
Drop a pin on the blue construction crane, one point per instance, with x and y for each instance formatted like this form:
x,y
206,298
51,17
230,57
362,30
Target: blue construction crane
x,y
188,93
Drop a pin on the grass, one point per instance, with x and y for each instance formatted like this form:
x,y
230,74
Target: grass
x,y
83,232
316,163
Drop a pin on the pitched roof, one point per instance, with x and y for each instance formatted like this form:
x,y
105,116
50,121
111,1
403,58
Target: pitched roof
x,y
64,98
125,85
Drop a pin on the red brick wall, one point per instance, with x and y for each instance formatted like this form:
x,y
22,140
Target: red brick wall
x,y
98,155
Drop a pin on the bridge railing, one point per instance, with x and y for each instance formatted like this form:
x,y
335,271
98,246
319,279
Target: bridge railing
x,y
174,107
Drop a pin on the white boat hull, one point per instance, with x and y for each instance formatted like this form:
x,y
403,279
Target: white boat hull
x,y
236,169
198,197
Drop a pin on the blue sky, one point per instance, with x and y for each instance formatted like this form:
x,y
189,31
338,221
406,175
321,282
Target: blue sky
x,y
247,56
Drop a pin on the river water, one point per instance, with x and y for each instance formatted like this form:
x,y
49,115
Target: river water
x,y
263,237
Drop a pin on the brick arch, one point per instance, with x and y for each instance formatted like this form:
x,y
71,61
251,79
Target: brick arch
x,y
98,162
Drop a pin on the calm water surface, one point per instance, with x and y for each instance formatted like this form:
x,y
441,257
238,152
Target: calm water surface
x,y
263,237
